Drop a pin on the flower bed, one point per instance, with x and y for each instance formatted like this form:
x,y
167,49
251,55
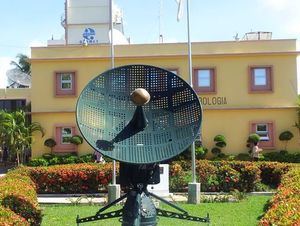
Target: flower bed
x,y
284,208
216,176
75,178
19,188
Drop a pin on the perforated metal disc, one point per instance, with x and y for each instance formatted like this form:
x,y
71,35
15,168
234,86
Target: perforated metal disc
x,y
174,113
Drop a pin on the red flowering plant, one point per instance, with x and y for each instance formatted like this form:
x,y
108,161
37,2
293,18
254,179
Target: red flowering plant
x,y
249,175
207,176
228,178
72,178
284,208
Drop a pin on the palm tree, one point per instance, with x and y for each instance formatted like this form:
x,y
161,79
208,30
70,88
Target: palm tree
x,y
23,63
21,71
17,133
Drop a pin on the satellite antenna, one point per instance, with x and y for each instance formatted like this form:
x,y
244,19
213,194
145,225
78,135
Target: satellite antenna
x,y
139,115
19,77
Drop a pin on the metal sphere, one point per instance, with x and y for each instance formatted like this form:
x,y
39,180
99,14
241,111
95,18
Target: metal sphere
x,y
140,97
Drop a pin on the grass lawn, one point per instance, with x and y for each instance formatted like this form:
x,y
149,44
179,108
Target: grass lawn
x,y
244,213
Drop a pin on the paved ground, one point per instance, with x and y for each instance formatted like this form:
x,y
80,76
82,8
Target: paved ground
x,y
97,198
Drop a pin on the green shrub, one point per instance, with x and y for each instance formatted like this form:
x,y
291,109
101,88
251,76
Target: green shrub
x,y
242,157
200,152
50,142
38,162
282,156
85,158
286,136
253,138
216,151
220,141
76,139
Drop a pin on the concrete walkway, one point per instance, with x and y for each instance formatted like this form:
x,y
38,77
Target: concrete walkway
x,y
91,199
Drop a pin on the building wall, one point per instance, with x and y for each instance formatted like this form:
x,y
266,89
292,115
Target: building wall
x,y
228,111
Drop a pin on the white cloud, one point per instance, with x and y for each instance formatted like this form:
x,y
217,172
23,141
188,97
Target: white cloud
x,y
4,66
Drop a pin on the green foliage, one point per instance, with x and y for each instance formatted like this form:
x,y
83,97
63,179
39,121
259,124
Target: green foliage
x,y
253,138
52,159
216,151
282,156
16,132
76,139
220,143
286,136
50,142
38,162
200,152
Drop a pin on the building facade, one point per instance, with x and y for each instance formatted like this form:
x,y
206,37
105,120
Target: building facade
x,y
244,86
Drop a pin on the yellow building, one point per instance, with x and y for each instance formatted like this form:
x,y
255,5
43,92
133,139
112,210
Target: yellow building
x,y
244,87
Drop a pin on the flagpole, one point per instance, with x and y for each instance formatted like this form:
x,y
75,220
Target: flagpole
x,y
194,187
191,84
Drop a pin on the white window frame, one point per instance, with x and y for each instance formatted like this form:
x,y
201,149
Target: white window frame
x,y
66,81
260,74
264,134
63,135
208,78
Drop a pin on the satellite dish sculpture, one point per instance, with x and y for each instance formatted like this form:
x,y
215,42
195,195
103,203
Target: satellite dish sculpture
x,y
139,115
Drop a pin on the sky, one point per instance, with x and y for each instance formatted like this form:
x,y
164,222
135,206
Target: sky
x,y
33,22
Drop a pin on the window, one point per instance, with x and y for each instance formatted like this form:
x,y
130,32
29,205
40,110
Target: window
x,y
66,134
65,84
261,79
263,132
266,132
66,81
63,133
204,80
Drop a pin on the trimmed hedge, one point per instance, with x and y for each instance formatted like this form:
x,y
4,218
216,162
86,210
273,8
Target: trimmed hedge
x,y
216,176
284,208
10,218
18,193
19,188
75,178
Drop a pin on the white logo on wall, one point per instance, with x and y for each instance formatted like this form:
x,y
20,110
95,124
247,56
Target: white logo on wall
x,y
89,36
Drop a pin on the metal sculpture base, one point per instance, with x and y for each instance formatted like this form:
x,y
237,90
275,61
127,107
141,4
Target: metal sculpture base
x,y
139,210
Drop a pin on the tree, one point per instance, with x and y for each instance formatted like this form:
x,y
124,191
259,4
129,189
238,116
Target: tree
x,y
16,133
22,68
286,136
23,63
220,143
